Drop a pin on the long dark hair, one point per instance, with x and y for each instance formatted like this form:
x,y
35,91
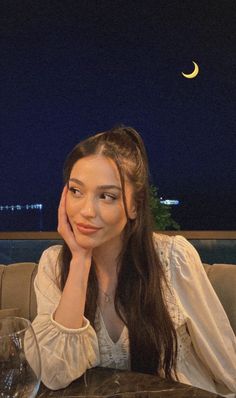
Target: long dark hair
x,y
139,298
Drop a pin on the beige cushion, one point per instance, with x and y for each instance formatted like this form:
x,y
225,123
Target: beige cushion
x,y
10,312
223,280
17,289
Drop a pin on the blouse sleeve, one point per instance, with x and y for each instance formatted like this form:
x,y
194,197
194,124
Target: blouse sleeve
x,y
211,334
65,353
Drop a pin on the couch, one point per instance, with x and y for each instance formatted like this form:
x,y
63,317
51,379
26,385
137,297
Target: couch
x,y
17,296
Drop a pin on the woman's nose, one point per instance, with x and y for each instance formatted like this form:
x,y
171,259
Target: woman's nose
x,y
88,208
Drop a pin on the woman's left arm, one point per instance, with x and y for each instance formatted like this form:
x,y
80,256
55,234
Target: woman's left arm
x,y
212,336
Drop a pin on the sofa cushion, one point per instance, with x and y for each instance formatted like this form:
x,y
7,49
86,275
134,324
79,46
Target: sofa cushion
x,y
17,289
10,312
223,280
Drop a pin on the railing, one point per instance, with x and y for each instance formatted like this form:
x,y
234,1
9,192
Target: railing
x,y
212,246
187,234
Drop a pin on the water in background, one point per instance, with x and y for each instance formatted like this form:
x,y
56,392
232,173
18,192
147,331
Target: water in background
x,y
27,217
189,214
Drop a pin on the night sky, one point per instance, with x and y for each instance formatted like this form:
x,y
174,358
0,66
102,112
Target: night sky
x,y
72,68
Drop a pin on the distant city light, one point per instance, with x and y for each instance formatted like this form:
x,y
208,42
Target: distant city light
x,y
170,202
33,206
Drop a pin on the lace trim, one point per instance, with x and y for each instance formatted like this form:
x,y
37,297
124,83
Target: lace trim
x,y
112,355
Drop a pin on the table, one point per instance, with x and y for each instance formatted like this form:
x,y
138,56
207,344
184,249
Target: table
x,y
112,383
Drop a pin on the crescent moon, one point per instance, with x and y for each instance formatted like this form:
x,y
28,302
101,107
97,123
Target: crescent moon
x,y
194,73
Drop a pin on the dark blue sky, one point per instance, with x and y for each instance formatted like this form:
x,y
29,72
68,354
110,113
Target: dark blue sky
x,y
71,68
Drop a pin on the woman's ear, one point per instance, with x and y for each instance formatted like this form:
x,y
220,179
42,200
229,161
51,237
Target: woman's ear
x,y
133,212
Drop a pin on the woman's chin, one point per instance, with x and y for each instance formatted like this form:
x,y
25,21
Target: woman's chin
x,y
86,242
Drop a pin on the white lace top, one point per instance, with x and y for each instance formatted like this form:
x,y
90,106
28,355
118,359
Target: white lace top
x,y
206,342
112,355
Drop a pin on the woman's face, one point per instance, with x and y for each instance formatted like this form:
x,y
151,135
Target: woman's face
x,y
94,202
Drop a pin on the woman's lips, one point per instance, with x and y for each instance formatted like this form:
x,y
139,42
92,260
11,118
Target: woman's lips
x,y
87,229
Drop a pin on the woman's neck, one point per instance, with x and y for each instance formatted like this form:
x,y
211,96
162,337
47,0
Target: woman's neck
x,y
106,256
106,262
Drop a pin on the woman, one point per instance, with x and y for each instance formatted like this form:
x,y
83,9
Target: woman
x,y
117,295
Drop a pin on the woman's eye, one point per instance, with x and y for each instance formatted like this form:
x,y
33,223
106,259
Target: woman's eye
x,y
108,197
75,191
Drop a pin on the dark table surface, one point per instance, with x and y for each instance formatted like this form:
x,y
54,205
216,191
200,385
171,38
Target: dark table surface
x,y
111,383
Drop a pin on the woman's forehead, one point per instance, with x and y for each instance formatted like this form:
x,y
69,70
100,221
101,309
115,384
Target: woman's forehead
x,y
98,168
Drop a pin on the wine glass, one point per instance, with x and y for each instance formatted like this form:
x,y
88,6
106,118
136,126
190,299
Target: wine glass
x,y
20,365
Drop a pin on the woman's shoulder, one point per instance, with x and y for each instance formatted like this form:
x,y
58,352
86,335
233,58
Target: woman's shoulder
x,y
179,257
173,244
51,251
49,261
163,243
175,250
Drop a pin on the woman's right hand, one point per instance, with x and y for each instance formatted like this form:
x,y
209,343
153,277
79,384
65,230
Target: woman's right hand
x,y
67,313
66,232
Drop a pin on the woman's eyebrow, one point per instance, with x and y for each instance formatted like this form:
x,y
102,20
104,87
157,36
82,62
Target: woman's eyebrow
x,y
76,181
109,187
99,186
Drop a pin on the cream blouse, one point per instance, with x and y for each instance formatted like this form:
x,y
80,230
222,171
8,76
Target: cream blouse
x,y
206,342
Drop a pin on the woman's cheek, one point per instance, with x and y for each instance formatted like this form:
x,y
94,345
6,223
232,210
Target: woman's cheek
x,y
71,203
111,216
115,216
